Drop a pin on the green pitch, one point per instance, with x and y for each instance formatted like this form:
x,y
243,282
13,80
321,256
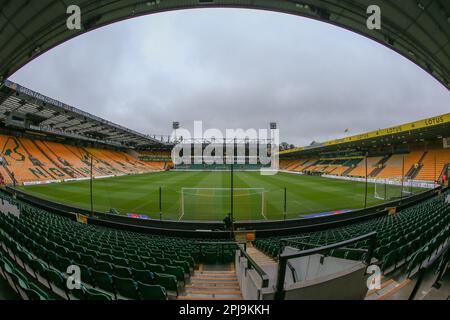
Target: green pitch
x,y
257,197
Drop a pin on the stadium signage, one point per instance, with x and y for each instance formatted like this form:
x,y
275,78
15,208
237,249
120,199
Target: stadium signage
x,y
429,122
412,183
434,121
104,177
31,183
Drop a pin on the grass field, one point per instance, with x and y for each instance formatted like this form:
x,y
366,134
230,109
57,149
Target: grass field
x,y
139,194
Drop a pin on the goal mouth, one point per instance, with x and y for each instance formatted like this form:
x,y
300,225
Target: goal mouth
x,y
393,188
216,203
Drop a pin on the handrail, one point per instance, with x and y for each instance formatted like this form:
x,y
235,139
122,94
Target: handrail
x,y
251,264
445,254
293,271
283,258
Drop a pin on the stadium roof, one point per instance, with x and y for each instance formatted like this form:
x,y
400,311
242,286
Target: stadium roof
x,y
417,29
48,115
430,128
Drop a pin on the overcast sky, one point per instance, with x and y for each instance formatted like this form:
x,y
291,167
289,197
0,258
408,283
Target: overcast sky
x,y
236,69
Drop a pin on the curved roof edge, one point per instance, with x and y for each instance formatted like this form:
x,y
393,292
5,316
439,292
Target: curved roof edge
x,y
420,31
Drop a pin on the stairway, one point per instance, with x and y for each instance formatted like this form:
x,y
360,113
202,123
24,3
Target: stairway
x,y
212,285
389,290
263,260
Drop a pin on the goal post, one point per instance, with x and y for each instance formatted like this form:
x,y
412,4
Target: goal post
x,y
392,188
215,203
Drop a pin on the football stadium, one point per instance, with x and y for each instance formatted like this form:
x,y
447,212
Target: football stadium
x,y
94,210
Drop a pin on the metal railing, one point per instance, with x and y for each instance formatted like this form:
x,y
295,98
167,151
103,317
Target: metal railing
x,y
251,264
444,257
283,258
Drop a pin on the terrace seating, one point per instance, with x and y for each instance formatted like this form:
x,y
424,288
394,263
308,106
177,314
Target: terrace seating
x,y
47,244
35,160
360,169
395,167
118,264
305,165
407,239
433,163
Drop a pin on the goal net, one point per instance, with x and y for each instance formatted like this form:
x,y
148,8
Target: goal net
x,y
215,203
393,188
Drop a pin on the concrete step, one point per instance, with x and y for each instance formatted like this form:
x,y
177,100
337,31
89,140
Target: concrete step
x,y
203,278
211,282
208,287
212,285
392,291
383,285
213,292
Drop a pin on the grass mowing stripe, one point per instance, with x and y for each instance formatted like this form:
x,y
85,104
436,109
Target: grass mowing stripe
x,y
140,194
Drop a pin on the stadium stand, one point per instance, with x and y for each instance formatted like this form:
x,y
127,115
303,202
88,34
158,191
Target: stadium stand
x,y
433,163
288,165
28,160
305,165
400,164
37,247
360,169
406,239
115,264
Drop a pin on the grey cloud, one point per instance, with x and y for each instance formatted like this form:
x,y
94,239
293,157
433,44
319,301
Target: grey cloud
x,y
236,68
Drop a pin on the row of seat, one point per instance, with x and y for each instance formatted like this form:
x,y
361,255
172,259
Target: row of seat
x,y
430,165
412,233
108,259
35,160
94,284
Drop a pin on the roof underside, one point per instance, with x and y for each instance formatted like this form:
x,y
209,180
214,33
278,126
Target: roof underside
x,y
433,133
50,116
417,29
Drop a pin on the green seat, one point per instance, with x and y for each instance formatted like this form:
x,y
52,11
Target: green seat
x,y
33,295
169,282
187,258
104,266
57,283
74,256
92,294
126,288
106,258
39,271
77,294
353,255
151,292
64,264
175,271
120,261
88,260
136,264
143,276
153,268
103,280
183,264
86,275
121,272
11,278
